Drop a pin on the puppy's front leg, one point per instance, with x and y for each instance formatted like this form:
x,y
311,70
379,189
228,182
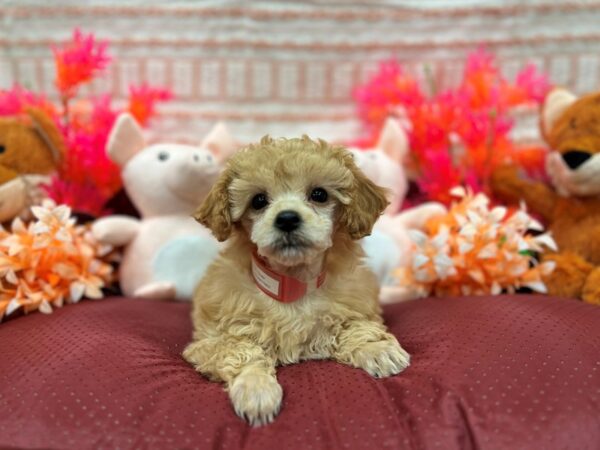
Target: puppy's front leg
x,y
248,372
367,345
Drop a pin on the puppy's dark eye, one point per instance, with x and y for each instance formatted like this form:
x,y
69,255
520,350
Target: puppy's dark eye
x,y
2,149
318,195
259,201
163,156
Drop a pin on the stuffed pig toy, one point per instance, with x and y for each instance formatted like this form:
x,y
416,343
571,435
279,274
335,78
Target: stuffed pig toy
x,y
389,246
166,251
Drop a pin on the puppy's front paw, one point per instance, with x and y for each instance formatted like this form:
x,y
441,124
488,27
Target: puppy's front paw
x,y
256,397
382,358
193,353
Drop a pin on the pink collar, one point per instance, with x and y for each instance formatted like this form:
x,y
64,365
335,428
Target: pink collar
x,y
283,288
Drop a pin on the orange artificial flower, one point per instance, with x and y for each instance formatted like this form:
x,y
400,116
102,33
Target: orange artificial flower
x,y
50,261
475,250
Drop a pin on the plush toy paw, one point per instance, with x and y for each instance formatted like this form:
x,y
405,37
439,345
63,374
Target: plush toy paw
x,y
115,230
591,288
156,291
382,358
13,198
569,276
256,396
396,294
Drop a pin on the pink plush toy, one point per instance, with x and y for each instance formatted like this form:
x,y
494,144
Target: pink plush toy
x,y
389,246
384,164
167,251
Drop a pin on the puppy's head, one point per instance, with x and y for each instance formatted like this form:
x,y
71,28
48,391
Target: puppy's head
x,y
291,196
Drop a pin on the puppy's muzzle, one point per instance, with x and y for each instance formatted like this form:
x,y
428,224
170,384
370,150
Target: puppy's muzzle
x,y
288,221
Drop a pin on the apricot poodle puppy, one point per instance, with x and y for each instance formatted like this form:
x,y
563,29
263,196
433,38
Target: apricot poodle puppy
x,y
291,285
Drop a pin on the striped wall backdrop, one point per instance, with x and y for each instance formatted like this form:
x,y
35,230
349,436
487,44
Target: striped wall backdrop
x,y
288,68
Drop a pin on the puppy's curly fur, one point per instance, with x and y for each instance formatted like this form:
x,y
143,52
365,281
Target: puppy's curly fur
x,y
241,334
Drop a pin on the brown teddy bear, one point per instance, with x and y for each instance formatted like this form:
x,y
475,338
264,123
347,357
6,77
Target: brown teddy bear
x,y
571,204
31,148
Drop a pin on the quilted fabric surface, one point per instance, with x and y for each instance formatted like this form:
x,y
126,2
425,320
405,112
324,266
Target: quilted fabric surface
x,y
496,373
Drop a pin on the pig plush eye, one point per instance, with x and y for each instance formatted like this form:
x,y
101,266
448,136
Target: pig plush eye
x,y
163,156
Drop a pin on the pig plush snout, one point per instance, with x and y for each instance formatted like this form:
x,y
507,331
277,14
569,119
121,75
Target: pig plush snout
x,y
191,174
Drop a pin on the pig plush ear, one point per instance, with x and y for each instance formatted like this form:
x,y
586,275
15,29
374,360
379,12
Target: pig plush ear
x,y
555,103
393,140
220,142
125,139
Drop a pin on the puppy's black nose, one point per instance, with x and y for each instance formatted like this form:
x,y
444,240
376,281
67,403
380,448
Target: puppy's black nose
x,y
287,220
575,158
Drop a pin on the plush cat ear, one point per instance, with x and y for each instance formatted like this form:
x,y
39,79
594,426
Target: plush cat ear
x,y
393,140
555,103
220,142
125,139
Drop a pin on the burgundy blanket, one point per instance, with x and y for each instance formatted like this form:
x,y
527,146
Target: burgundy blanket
x,y
516,372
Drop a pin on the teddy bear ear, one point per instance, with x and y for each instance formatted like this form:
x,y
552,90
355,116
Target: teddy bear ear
x,y
393,140
220,142
125,139
555,103
48,131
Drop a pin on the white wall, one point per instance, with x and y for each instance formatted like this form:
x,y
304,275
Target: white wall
x,y
287,68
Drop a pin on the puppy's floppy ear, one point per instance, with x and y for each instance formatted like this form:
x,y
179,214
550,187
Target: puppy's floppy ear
x,y
367,203
214,212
